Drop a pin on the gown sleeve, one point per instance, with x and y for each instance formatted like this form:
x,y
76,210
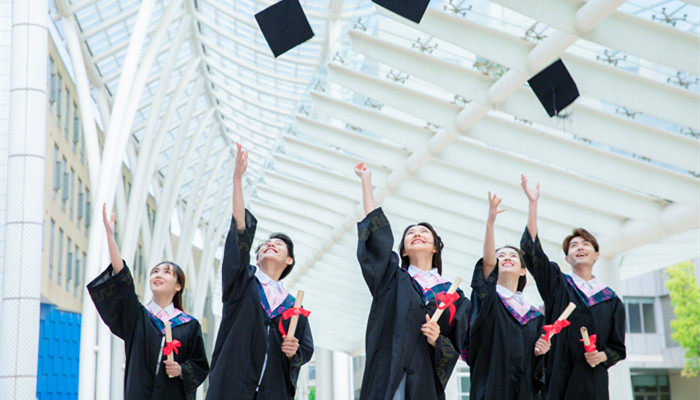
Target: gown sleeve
x,y
547,274
615,348
449,345
196,368
377,261
484,292
116,301
302,356
236,263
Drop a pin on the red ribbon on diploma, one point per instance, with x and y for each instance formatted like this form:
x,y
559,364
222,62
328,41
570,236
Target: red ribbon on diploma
x,y
555,328
289,313
448,300
170,347
590,347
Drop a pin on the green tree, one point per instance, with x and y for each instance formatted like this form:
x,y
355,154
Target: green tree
x,y
685,298
312,394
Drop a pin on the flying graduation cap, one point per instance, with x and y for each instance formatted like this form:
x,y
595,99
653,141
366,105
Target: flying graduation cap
x,y
554,87
410,9
284,26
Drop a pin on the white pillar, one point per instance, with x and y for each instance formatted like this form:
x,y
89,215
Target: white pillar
x,y
620,382
342,376
19,333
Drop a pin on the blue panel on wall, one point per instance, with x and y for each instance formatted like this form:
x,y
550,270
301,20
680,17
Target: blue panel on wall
x,y
59,354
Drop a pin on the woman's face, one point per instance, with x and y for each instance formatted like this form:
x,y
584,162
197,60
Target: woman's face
x,y
163,280
509,260
418,239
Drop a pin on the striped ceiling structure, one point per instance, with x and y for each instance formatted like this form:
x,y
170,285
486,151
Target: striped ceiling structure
x,y
440,111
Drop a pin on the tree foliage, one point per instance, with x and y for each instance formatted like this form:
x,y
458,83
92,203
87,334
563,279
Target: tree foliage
x,y
685,299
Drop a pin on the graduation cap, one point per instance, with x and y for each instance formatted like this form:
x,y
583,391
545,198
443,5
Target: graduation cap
x,y
410,9
284,26
554,87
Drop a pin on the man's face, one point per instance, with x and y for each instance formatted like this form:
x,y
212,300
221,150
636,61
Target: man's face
x,y
581,252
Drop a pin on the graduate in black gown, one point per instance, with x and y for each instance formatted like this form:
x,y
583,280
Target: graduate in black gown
x,y
573,373
252,359
507,345
143,328
408,357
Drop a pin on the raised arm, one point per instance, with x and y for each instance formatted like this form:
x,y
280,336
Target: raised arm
x,y
533,196
367,193
238,202
489,241
114,256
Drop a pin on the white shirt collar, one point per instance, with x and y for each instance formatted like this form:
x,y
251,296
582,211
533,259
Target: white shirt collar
x,y
580,282
155,308
506,293
413,270
266,280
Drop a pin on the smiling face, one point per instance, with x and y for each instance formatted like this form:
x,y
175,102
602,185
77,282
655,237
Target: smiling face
x,y
164,281
418,239
511,262
274,255
581,253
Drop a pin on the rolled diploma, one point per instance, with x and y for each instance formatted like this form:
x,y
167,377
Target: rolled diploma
x,y
168,339
295,318
584,335
564,315
452,289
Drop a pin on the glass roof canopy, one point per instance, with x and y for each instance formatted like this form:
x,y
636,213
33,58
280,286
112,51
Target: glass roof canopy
x,y
305,116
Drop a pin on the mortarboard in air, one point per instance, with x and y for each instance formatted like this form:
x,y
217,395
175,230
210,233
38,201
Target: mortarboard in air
x,y
284,26
554,87
410,9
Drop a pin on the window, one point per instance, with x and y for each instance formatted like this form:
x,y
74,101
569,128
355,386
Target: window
x,y
59,92
51,240
463,381
69,263
51,81
640,315
80,201
60,256
66,118
651,387
76,128
71,193
64,186
87,211
76,275
82,145
78,283
56,172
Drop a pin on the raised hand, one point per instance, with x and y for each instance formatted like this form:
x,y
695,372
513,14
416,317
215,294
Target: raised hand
x,y
532,194
494,202
109,222
241,162
362,171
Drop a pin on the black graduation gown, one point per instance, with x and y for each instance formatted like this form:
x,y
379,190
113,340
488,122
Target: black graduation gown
x,y
394,343
249,330
568,375
502,360
143,335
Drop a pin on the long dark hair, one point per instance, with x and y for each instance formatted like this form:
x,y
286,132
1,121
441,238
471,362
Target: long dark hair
x,y
522,281
437,257
180,274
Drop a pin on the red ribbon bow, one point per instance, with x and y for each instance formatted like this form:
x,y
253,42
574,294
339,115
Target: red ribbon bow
x,y
448,300
590,347
554,328
170,347
288,313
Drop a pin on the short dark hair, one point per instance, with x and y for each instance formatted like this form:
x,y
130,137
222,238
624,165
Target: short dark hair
x,y
522,281
290,249
180,275
437,257
580,232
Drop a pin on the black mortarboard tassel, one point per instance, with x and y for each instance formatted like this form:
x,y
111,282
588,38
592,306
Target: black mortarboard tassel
x,y
284,26
554,87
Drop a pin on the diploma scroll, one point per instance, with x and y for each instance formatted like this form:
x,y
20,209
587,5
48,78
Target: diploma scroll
x,y
442,306
560,323
295,318
168,339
